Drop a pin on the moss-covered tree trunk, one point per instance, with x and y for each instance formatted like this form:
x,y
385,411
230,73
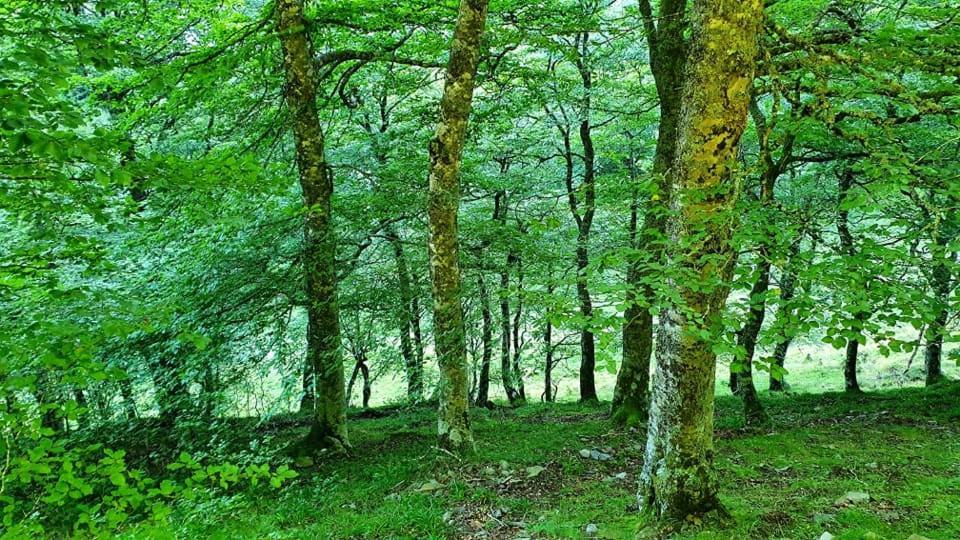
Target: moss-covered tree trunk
x,y
678,478
329,427
446,148
667,46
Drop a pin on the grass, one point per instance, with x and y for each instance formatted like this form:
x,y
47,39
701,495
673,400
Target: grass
x,y
902,447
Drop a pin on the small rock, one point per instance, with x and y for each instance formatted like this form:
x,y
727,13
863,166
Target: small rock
x,y
497,513
585,453
826,536
917,537
620,476
430,486
591,530
853,497
600,456
534,471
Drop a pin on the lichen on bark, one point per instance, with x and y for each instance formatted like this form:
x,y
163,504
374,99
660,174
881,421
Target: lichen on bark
x,y
678,478
329,429
453,424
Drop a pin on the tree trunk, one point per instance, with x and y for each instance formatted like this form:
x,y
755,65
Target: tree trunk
x,y
665,41
363,369
453,426
319,253
742,380
483,384
414,368
678,478
850,250
548,394
851,384
417,333
517,371
129,402
631,396
507,376
940,281
788,285
588,357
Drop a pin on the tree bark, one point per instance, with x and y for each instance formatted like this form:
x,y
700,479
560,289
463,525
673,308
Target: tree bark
x,y
848,246
788,286
940,285
517,370
667,49
329,427
588,356
483,384
507,376
631,395
453,425
678,478
414,367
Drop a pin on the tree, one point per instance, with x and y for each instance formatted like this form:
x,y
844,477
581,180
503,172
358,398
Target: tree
x,y
329,427
446,148
667,50
678,479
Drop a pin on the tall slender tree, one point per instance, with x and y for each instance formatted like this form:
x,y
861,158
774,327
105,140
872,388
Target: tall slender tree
x,y
320,248
667,50
446,148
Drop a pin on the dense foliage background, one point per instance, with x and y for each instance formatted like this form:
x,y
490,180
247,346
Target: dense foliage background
x,y
151,247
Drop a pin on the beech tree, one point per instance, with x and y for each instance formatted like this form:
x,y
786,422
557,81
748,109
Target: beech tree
x,y
324,354
445,154
678,479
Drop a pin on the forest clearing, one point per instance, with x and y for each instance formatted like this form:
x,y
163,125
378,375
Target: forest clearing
x,y
480,269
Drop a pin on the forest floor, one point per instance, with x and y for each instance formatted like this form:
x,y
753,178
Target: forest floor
x,y
879,465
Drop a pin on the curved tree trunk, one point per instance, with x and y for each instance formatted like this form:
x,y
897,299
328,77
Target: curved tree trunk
x,y
414,367
788,286
588,355
667,46
851,384
446,148
747,339
678,478
329,427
